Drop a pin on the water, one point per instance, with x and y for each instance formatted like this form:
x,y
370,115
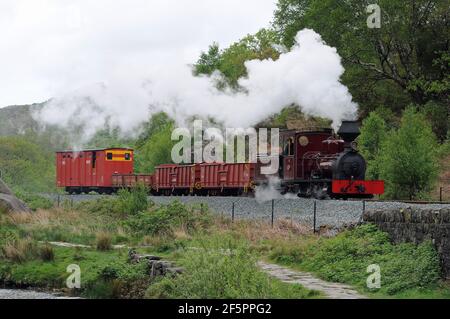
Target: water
x,y
28,294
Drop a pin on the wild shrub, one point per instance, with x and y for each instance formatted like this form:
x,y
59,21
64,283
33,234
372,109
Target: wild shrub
x,y
20,250
101,206
8,234
116,280
373,134
413,143
103,241
133,201
46,253
127,202
163,220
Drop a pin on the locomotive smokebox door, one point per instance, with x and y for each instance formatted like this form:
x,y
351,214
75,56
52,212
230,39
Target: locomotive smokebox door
x,y
349,131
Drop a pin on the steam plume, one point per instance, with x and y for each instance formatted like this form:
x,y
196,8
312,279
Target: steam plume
x,y
308,75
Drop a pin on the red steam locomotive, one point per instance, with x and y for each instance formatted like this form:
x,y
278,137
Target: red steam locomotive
x,y
313,163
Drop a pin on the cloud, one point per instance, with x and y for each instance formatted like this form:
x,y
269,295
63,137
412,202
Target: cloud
x,y
50,47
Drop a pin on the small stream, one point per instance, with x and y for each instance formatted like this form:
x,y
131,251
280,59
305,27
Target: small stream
x,y
28,294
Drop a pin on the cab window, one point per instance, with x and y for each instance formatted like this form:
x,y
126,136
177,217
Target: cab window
x,y
127,156
289,147
109,156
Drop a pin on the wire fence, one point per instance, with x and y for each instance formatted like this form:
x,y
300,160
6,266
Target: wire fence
x,y
308,212
444,193
312,213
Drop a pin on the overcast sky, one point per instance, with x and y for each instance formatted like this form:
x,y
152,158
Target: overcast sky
x,y
48,47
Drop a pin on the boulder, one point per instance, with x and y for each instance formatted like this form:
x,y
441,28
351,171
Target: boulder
x,y
156,267
9,202
134,257
4,189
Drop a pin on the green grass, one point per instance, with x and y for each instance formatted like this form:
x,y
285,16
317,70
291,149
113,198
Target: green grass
x,y
93,264
224,268
407,270
34,201
222,263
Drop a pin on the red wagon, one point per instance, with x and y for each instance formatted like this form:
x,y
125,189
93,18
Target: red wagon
x,y
175,179
226,178
92,170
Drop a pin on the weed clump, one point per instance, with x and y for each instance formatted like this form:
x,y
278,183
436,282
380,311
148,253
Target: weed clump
x,y
103,241
46,253
19,250
163,221
134,200
128,202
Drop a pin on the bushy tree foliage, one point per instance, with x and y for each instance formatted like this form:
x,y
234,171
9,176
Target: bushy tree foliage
x,y
408,157
154,145
373,134
438,114
407,59
109,137
231,61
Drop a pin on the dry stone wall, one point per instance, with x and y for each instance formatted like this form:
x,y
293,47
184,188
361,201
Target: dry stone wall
x,y
416,225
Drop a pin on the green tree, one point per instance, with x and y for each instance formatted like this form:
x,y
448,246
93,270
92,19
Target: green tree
x,y
439,116
208,61
408,159
406,60
231,61
109,137
373,134
154,146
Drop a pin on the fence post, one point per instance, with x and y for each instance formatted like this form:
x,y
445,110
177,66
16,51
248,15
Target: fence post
x,y
440,194
292,222
232,213
314,219
273,207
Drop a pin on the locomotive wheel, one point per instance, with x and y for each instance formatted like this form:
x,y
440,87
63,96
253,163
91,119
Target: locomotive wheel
x,y
318,193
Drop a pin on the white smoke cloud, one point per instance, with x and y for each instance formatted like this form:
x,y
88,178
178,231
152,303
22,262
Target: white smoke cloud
x,y
309,76
271,190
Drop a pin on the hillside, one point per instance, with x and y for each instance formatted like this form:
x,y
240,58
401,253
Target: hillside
x,y
17,119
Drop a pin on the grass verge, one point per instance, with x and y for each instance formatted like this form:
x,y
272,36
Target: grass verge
x,y
218,255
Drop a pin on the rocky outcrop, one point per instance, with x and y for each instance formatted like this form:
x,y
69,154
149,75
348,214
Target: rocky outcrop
x,y
156,267
9,202
416,225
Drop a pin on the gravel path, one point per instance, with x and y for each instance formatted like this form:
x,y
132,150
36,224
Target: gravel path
x,y
330,290
333,213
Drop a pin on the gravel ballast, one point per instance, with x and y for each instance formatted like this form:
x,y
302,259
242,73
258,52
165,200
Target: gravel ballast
x,y
334,213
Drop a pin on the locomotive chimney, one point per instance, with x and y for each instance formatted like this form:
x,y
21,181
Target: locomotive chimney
x,y
349,131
